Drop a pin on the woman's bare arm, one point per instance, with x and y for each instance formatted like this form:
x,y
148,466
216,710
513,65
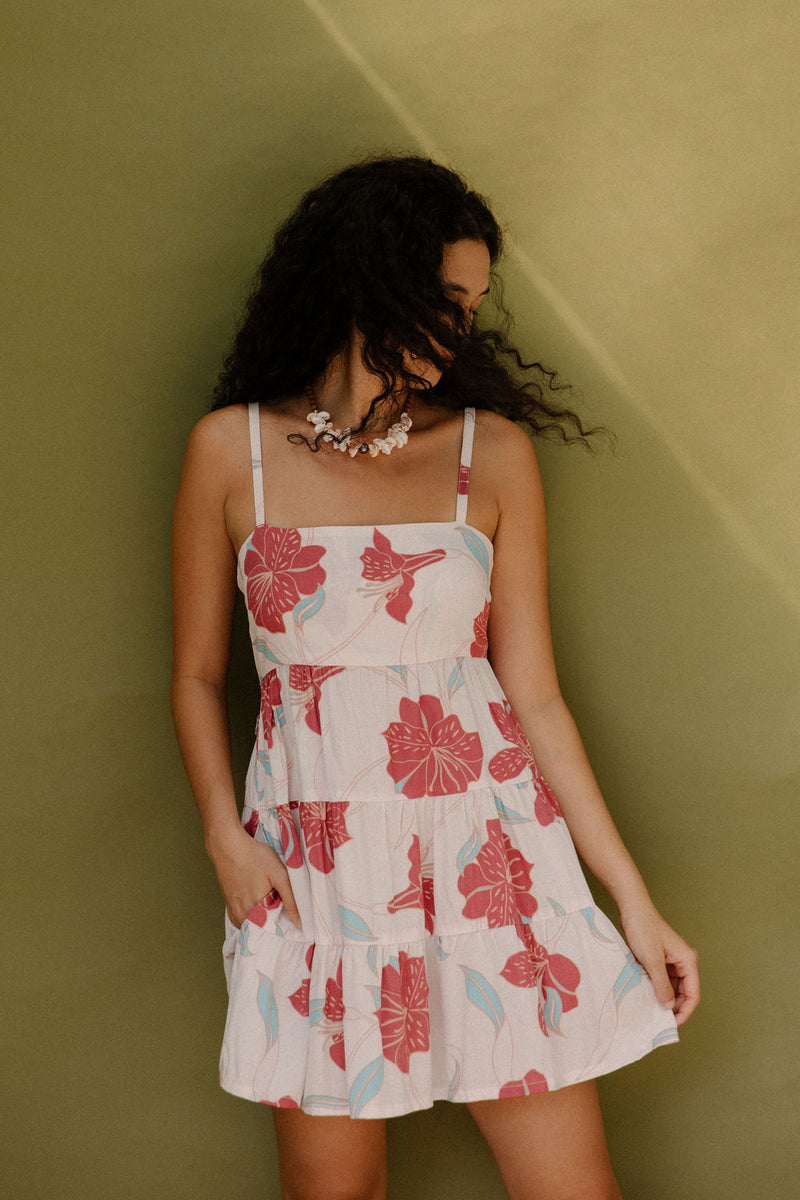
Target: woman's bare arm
x,y
204,592
521,654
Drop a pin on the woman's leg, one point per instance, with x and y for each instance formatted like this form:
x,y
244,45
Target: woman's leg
x,y
551,1145
330,1158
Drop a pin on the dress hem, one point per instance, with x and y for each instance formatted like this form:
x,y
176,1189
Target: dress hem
x,y
234,1088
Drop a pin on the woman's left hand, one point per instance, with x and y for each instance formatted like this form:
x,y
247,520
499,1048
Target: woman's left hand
x,y
671,962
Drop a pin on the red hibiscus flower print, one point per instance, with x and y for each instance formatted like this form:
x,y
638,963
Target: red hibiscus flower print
x,y
251,825
509,762
531,1082
547,806
419,893
299,998
279,571
270,700
303,679
290,842
534,967
480,644
324,829
384,565
429,753
403,1014
259,912
497,882
333,1010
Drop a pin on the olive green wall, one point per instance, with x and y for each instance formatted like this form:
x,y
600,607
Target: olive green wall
x,y
646,159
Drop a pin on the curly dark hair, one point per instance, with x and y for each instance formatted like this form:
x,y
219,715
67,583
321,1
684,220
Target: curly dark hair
x,y
364,249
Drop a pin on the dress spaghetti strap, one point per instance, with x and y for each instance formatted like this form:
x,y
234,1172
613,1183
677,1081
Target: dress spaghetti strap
x,y
255,461
464,465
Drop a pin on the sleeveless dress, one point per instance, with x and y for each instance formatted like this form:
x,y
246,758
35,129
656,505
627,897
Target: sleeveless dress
x,y
450,947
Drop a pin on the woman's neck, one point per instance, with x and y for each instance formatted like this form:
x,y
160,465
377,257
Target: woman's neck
x,y
347,389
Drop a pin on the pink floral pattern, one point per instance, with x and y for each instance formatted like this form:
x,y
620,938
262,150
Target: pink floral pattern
x,y
403,1014
497,883
324,829
396,571
290,842
270,700
431,754
549,973
419,893
532,1081
480,642
300,998
333,1010
510,762
279,571
304,678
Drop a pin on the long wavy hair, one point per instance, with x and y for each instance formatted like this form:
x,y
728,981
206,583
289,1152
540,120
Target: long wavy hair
x,y
363,249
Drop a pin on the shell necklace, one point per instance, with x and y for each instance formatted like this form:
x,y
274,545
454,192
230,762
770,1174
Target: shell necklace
x,y
397,434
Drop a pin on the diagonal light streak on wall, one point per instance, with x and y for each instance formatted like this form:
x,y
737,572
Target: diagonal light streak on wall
x,y
737,528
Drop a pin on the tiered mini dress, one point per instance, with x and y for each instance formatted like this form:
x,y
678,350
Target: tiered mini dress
x,y
450,947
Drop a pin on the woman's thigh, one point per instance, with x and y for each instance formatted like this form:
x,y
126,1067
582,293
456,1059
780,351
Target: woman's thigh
x,y
330,1158
551,1145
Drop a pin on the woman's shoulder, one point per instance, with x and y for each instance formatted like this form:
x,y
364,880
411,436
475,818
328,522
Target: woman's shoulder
x,y
220,434
499,436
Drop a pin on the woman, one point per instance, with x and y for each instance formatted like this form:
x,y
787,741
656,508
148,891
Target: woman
x,y
406,916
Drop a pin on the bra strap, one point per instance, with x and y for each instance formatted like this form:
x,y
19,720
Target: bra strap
x,y
255,461
464,465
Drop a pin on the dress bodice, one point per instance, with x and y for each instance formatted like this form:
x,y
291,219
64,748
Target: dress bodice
x,y
362,595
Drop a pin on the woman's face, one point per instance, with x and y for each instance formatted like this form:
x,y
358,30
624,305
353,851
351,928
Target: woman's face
x,y
465,272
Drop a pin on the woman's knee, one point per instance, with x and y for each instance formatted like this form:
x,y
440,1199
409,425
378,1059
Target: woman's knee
x,y
330,1187
330,1158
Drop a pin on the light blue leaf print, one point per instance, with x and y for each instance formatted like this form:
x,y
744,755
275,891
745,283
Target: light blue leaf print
x,y
272,841
588,916
243,936
666,1035
455,1079
306,607
468,851
401,671
440,950
557,908
553,1009
375,992
367,1082
371,958
475,546
262,647
290,833
264,763
268,1008
394,961
316,1010
509,814
353,926
456,677
332,1102
398,787
483,996
629,977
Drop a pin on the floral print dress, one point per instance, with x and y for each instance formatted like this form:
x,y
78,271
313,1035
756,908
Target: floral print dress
x,y
450,947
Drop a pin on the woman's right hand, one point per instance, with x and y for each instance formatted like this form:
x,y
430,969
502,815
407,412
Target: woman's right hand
x,y
248,871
